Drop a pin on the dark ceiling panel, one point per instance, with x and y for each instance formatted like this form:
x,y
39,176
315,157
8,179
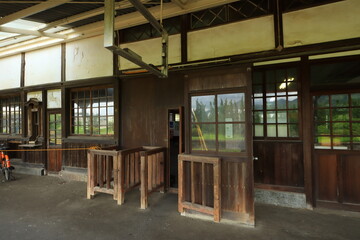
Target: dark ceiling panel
x,y
9,8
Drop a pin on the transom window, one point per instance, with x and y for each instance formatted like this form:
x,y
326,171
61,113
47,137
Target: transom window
x,y
337,121
10,115
275,103
92,111
218,123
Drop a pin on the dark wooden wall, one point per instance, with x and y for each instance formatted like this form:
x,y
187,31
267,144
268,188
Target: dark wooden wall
x,y
279,163
144,106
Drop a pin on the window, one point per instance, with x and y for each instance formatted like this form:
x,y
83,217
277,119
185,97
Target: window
x,y
218,123
275,103
337,121
10,115
54,129
92,111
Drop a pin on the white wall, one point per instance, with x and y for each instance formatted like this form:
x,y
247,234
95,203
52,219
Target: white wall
x,y
150,51
43,66
10,72
230,39
88,58
330,22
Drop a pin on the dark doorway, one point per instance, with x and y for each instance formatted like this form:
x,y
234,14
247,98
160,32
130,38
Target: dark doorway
x,y
175,140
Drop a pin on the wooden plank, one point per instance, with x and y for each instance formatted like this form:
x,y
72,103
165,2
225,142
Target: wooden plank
x,y
203,187
199,159
149,174
90,176
108,172
192,182
132,169
198,208
137,167
104,190
116,176
181,189
121,184
144,183
127,171
217,192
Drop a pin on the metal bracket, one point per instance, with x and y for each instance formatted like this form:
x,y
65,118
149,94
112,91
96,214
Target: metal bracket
x,y
109,17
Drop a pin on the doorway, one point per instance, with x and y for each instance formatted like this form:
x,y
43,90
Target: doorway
x,y
175,143
54,141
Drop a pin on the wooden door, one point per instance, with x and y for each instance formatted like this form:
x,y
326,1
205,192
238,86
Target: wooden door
x,y
54,141
218,124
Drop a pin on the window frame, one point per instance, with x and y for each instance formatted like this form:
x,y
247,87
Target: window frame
x,y
91,125
9,102
263,70
215,93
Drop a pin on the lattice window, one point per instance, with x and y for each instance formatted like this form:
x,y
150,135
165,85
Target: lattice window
x,y
291,5
236,11
146,31
10,115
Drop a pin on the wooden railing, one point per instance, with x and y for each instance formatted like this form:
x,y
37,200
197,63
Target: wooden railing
x,y
152,173
102,168
195,177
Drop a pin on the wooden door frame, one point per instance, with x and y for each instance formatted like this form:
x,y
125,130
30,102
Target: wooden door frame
x,y
51,111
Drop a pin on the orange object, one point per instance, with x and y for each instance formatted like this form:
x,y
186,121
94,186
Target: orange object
x,y
7,161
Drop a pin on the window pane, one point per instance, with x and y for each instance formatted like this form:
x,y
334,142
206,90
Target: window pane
x,y
356,128
293,130
355,99
293,102
257,77
322,115
271,117
270,103
340,114
323,142
281,103
322,129
341,128
340,100
258,103
356,114
231,107
258,117
259,130
231,137
293,116
282,130
258,90
281,117
203,108
321,101
341,143
203,137
271,130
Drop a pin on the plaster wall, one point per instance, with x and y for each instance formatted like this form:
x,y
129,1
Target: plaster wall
x,y
88,58
43,66
330,22
10,69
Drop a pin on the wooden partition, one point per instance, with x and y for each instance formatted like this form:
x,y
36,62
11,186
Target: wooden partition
x,y
102,168
152,173
198,198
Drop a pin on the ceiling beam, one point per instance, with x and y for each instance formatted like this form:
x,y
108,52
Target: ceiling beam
x,y
31,32
180,3
32,10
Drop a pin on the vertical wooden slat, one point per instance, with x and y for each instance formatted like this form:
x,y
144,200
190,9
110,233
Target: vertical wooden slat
x,y
115,174
149,165
181,183
144,182
108,172
192,182
217,192
127,170
100,171
132,169
90,179
120,174
203,187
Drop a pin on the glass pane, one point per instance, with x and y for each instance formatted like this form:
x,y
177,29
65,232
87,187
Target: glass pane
x,y
271,130
259,131
257,77
96,130
58,141
321,101
293,130
281,103
281,75
281,117
341,143
340,114
341,128
356,128
270,76
110,92
81,130
323,142
203,108
103,130
270,103
231,137
231,107
103,111
282,130
293,116
322,115
340,100
258,90
355,114
258,117
292,88
258,103
270,89
293,102
322,129
355,99
203,137
52,126
58,117
52,117
271,117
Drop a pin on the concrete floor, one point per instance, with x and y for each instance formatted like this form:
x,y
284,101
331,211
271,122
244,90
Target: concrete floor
x,y
33,207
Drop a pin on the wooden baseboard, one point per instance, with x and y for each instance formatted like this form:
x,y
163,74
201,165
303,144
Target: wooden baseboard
x,y
279,188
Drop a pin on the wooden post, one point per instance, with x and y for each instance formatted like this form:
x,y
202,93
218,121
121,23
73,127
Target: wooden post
x,y
90,189
144,181
217,192
115,172
120,174
88,195
181,183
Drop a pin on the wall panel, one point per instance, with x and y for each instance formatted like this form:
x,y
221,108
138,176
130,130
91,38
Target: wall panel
x,y
10,72
43,66
88,58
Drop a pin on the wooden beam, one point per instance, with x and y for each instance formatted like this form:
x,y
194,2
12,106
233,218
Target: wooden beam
x,y
32,10
31,32
179,3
